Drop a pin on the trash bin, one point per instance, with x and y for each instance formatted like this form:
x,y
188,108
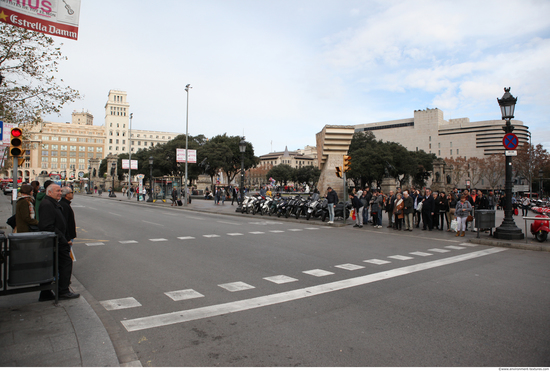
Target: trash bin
x,y
485,219
31,258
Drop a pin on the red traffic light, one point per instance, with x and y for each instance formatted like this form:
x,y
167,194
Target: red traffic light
x,y
16,132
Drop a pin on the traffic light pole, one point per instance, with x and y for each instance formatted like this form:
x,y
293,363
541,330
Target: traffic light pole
x,y
345,196
15,160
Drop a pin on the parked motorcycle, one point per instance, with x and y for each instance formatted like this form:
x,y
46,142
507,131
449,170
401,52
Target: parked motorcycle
x,y
312,204
541,228
342,210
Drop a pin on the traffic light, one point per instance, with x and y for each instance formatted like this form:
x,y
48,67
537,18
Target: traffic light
x,y
16,142
338,172
21,161
347,163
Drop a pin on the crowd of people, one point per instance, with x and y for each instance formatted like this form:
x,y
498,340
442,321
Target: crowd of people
x,y
408,209
50,210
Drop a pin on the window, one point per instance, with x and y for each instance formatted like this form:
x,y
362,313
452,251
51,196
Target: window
x,y
144,143
55,139
439,152
110,141
45,137
117,141
44,159
54,153
139,142
90,149
63,153
73,148
45,146
81,154
64,139
430,138
63,148
123,141
55,146
45,153
457,151
63,159
451,144
81,148
72,160
54,159
451,152
99,149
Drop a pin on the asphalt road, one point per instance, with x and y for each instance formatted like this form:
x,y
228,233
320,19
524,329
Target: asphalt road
x,y
196,289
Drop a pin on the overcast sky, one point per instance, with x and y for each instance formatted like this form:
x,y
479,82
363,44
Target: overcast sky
x,y
279,70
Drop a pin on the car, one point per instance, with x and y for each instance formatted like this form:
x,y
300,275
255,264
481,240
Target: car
x,y
8,189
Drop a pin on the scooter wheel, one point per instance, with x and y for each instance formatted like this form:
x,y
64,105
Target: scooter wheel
x,y
324,216
298,212
248,210
287,214
541,236
308,216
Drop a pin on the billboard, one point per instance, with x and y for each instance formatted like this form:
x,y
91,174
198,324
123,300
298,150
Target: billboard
x,y
126,164
191,156
51,17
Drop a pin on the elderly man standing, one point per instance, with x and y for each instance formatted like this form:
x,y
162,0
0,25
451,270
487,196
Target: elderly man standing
x,y
408,210
51,219
67,196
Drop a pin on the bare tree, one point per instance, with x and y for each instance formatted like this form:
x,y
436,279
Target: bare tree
x,y
458,169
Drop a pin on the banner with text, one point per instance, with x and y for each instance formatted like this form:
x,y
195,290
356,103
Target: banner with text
x,y
126,164
51,17
191,155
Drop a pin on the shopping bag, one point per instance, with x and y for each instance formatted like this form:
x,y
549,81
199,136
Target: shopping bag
x,y
454,225
352,214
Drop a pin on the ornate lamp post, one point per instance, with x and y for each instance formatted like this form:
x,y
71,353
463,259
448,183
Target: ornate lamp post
x,y
150,199
508,229
242,148
113,169
89,179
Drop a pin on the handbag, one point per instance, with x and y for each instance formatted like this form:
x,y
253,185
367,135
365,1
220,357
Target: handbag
x,y
469,218
11,221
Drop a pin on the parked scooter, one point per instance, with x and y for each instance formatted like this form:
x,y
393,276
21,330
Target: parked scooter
x,y
342,210
312,204
541,228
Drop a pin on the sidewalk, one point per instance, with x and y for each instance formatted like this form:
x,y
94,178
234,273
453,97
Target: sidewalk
x,y
42,334
208,206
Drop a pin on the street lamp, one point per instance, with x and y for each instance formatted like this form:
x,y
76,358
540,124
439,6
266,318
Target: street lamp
x,y
113,168
130,156
187,87
508,229
89,179
541,174
242,148
150,199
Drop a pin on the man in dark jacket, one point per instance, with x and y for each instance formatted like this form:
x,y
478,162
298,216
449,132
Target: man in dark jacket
x,y
408,210
390,203
428,207
68,213
52,220
332,200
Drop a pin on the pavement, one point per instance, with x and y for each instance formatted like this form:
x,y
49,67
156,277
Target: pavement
x,y
73,334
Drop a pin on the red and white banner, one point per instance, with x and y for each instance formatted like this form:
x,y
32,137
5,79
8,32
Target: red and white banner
x,y
126,164
191,155
52,17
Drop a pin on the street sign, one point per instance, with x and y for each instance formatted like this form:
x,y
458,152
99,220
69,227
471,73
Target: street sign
x,y
191,155
510,141
126,164
511,153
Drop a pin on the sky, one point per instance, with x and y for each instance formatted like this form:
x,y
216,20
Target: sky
x,y
278,71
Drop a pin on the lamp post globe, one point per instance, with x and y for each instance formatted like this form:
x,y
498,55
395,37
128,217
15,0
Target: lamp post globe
x,y
508,229
150,199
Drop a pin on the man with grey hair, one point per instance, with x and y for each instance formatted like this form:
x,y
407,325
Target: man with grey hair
x,y
51,219
67,196
408,210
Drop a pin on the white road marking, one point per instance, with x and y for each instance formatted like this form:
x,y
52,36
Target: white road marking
x,y
148,222
262,301
236,286
92,208
295,230
277,231
420,253
234,234
256,232
349,267
438,250
468,244
193,217
318,272
280,279
376,261
183,295
114,214
222,222
157,239
117,304
455,247
95,244
125,242
265,223
186,238
210,235
400,257
312,228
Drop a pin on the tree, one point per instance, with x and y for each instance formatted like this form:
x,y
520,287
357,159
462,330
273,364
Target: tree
x,y
307,174
529,160
475,170
458,169
493,170
424,167
28,62
282,173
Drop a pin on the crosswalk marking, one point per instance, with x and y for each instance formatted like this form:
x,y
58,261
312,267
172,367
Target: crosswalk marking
x,y
455,247
400,257
126,242
439,250
234,234
277,231
420,253
282,297
349,267
318,272
186,238
158,239
236,286
469,244
256,232
183,295
295,229
210,235
376,261
117,304
280,279
312,228
94,244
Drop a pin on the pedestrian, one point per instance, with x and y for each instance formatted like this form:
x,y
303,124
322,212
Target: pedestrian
x,y
417,205
428,207
51,220
95,188
377,203
332,200
123,191
25,216
398,211
67,196
234,195
463,208
443,209
39,197
174,197
408,211
223,193
358,206
35,184
525,202
492,200
390,203
144,192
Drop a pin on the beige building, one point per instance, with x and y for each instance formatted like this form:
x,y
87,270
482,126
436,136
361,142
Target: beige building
x,y
296,159
428,131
